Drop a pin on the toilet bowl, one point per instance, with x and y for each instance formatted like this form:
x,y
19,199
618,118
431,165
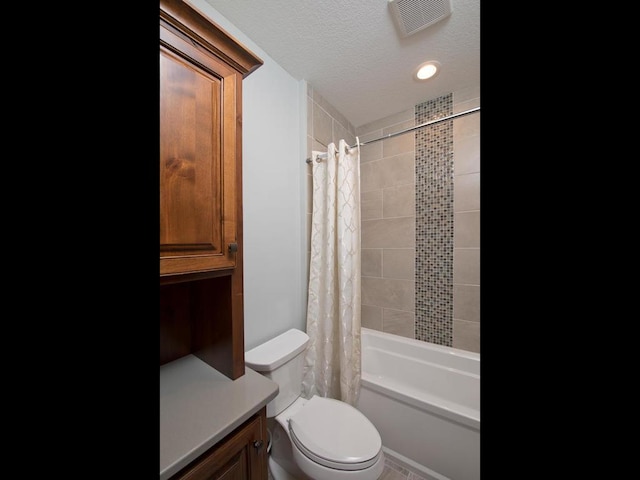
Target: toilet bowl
x,y
317,438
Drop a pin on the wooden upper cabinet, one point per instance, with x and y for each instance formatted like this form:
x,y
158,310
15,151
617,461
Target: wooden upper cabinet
x,y
201,72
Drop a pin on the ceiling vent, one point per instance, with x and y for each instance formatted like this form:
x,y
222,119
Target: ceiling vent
x,y
415,15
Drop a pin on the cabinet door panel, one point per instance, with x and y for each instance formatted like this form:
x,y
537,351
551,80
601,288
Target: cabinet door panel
x,y
237,469
190,180
236,458
234,469
198,155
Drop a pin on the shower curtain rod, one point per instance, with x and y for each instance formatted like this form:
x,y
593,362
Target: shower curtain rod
x,y
401,132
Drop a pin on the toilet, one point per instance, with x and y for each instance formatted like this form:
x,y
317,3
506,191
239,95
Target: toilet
x,y
317,438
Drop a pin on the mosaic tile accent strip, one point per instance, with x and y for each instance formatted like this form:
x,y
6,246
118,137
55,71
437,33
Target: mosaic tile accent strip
x,y
434,223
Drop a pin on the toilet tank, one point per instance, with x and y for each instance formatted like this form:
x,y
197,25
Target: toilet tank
x,y
281,359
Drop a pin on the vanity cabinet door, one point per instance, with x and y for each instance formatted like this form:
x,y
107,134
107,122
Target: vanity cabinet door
x,y
240,456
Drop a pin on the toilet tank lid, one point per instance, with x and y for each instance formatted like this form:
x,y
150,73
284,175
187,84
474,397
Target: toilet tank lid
x,y
275,352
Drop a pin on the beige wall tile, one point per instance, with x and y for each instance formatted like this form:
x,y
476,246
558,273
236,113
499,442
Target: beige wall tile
x,y
309,148
466,98
372,135
466,302
399,201
309,190
466,192
467,126
388,293
322,126
467,155
466,335
396,127
318,147
372,151
399,263
319,99
466,266
401,143
330,109
400,117
341,132
371,317
371,262
388,172
398,322
466,229
467,105
371,204
391,233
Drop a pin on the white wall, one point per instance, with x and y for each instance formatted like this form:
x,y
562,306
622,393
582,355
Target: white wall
x,y
273,148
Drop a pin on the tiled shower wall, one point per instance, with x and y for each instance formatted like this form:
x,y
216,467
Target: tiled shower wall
x,y
466,222
434,223
388,225
397,282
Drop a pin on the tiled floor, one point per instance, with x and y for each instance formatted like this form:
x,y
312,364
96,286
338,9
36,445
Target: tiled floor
x,y
392,471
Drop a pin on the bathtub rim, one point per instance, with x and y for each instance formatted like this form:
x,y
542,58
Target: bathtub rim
x,y
421,343
460,414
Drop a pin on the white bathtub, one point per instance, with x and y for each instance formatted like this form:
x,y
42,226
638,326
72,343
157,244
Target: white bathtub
x,y
424,399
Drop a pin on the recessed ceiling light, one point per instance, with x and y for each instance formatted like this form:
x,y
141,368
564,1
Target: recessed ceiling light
x,y
427,70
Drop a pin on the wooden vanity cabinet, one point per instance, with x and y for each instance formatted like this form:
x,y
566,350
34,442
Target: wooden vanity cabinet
x,y
200,191
242,455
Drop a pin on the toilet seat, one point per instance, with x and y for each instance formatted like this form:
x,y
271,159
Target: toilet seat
x,y
335,434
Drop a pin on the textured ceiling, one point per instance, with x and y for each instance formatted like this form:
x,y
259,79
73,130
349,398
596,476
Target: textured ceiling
x,y
351,52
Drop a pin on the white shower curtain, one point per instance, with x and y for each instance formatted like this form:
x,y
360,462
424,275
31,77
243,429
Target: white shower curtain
x,y
332,362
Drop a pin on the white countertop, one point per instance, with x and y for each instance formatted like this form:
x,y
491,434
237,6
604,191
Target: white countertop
x,y
199,406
